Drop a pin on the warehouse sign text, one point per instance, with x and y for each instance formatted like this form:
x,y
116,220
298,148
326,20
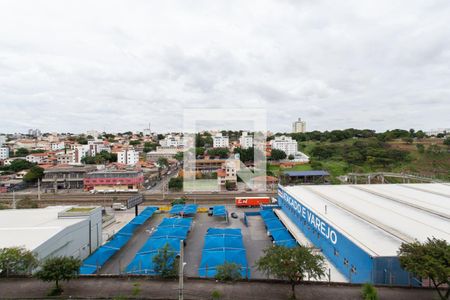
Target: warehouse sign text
x,y
325,230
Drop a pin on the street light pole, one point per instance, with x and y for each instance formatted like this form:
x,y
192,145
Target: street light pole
x,y
181,272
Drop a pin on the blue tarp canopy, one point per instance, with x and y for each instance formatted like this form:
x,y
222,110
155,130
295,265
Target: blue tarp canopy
x,y
154,244
223,245
219,211
170,231
97,259
176,222
180,209
277,230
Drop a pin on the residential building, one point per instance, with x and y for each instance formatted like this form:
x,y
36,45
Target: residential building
x,y
128,157
65,177
299,126
95,147
81,151
4,153
228,173
172,141
117,180
286,144
55,146
65,157
220,141
2,140
246,140
34,132
166,152
53,231
41,158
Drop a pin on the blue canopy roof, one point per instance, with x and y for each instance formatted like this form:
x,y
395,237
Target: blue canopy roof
x,y
219,211
277,230
180,209
223,245
170,231
174,222
97,259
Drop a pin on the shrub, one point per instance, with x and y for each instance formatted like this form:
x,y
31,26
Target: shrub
x,y
228,272
369,292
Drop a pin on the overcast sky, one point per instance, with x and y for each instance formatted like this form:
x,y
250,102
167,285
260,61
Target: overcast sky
x,y
118,65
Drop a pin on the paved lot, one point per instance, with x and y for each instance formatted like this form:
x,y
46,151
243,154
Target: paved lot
x,y
118,263
254,236
108,288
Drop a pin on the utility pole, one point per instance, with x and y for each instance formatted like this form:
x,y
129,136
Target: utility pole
x,y
181,272
39,189
14,200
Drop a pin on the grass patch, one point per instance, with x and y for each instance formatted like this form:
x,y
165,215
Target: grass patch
x,y
80,209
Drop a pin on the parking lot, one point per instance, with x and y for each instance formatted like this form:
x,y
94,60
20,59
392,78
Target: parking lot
x,y
254,237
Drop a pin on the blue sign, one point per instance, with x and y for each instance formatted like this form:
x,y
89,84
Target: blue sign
x,y
307,215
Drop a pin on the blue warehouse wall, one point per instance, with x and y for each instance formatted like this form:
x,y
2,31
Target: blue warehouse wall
x,y
352,261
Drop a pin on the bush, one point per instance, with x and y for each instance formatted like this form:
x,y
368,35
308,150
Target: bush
x,y
215,295
369,292
27,202
228,272
59,269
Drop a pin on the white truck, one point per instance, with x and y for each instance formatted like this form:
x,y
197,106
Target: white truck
x,y
119,206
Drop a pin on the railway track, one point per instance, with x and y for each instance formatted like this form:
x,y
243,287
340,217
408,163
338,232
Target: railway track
x,y
108,199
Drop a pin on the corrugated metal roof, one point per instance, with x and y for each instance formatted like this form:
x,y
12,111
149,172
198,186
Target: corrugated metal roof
x,y
380,217
306,173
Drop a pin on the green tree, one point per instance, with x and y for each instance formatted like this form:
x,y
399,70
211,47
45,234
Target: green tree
x,y
199,151
277,154
228,272
176,183
291,264
21,152
165,262
19,165
291,157
34,174
221,152
135,142
179,156
59,269
447,141
430,259
16,261
82,140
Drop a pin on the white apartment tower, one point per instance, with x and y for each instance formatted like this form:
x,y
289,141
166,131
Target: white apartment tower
x,y
128,157
220,141
4,153
286,144
299,126
246,140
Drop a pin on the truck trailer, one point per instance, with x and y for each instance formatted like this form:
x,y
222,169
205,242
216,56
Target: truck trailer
x,y
251,201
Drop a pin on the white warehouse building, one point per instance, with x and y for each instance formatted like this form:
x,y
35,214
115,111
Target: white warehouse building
x,y
52,231
359,228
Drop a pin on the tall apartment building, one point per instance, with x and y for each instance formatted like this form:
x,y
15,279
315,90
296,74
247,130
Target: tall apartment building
x,y
95,147
220,141
299,126
4,153
2,140
246,140
286,144
128,157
